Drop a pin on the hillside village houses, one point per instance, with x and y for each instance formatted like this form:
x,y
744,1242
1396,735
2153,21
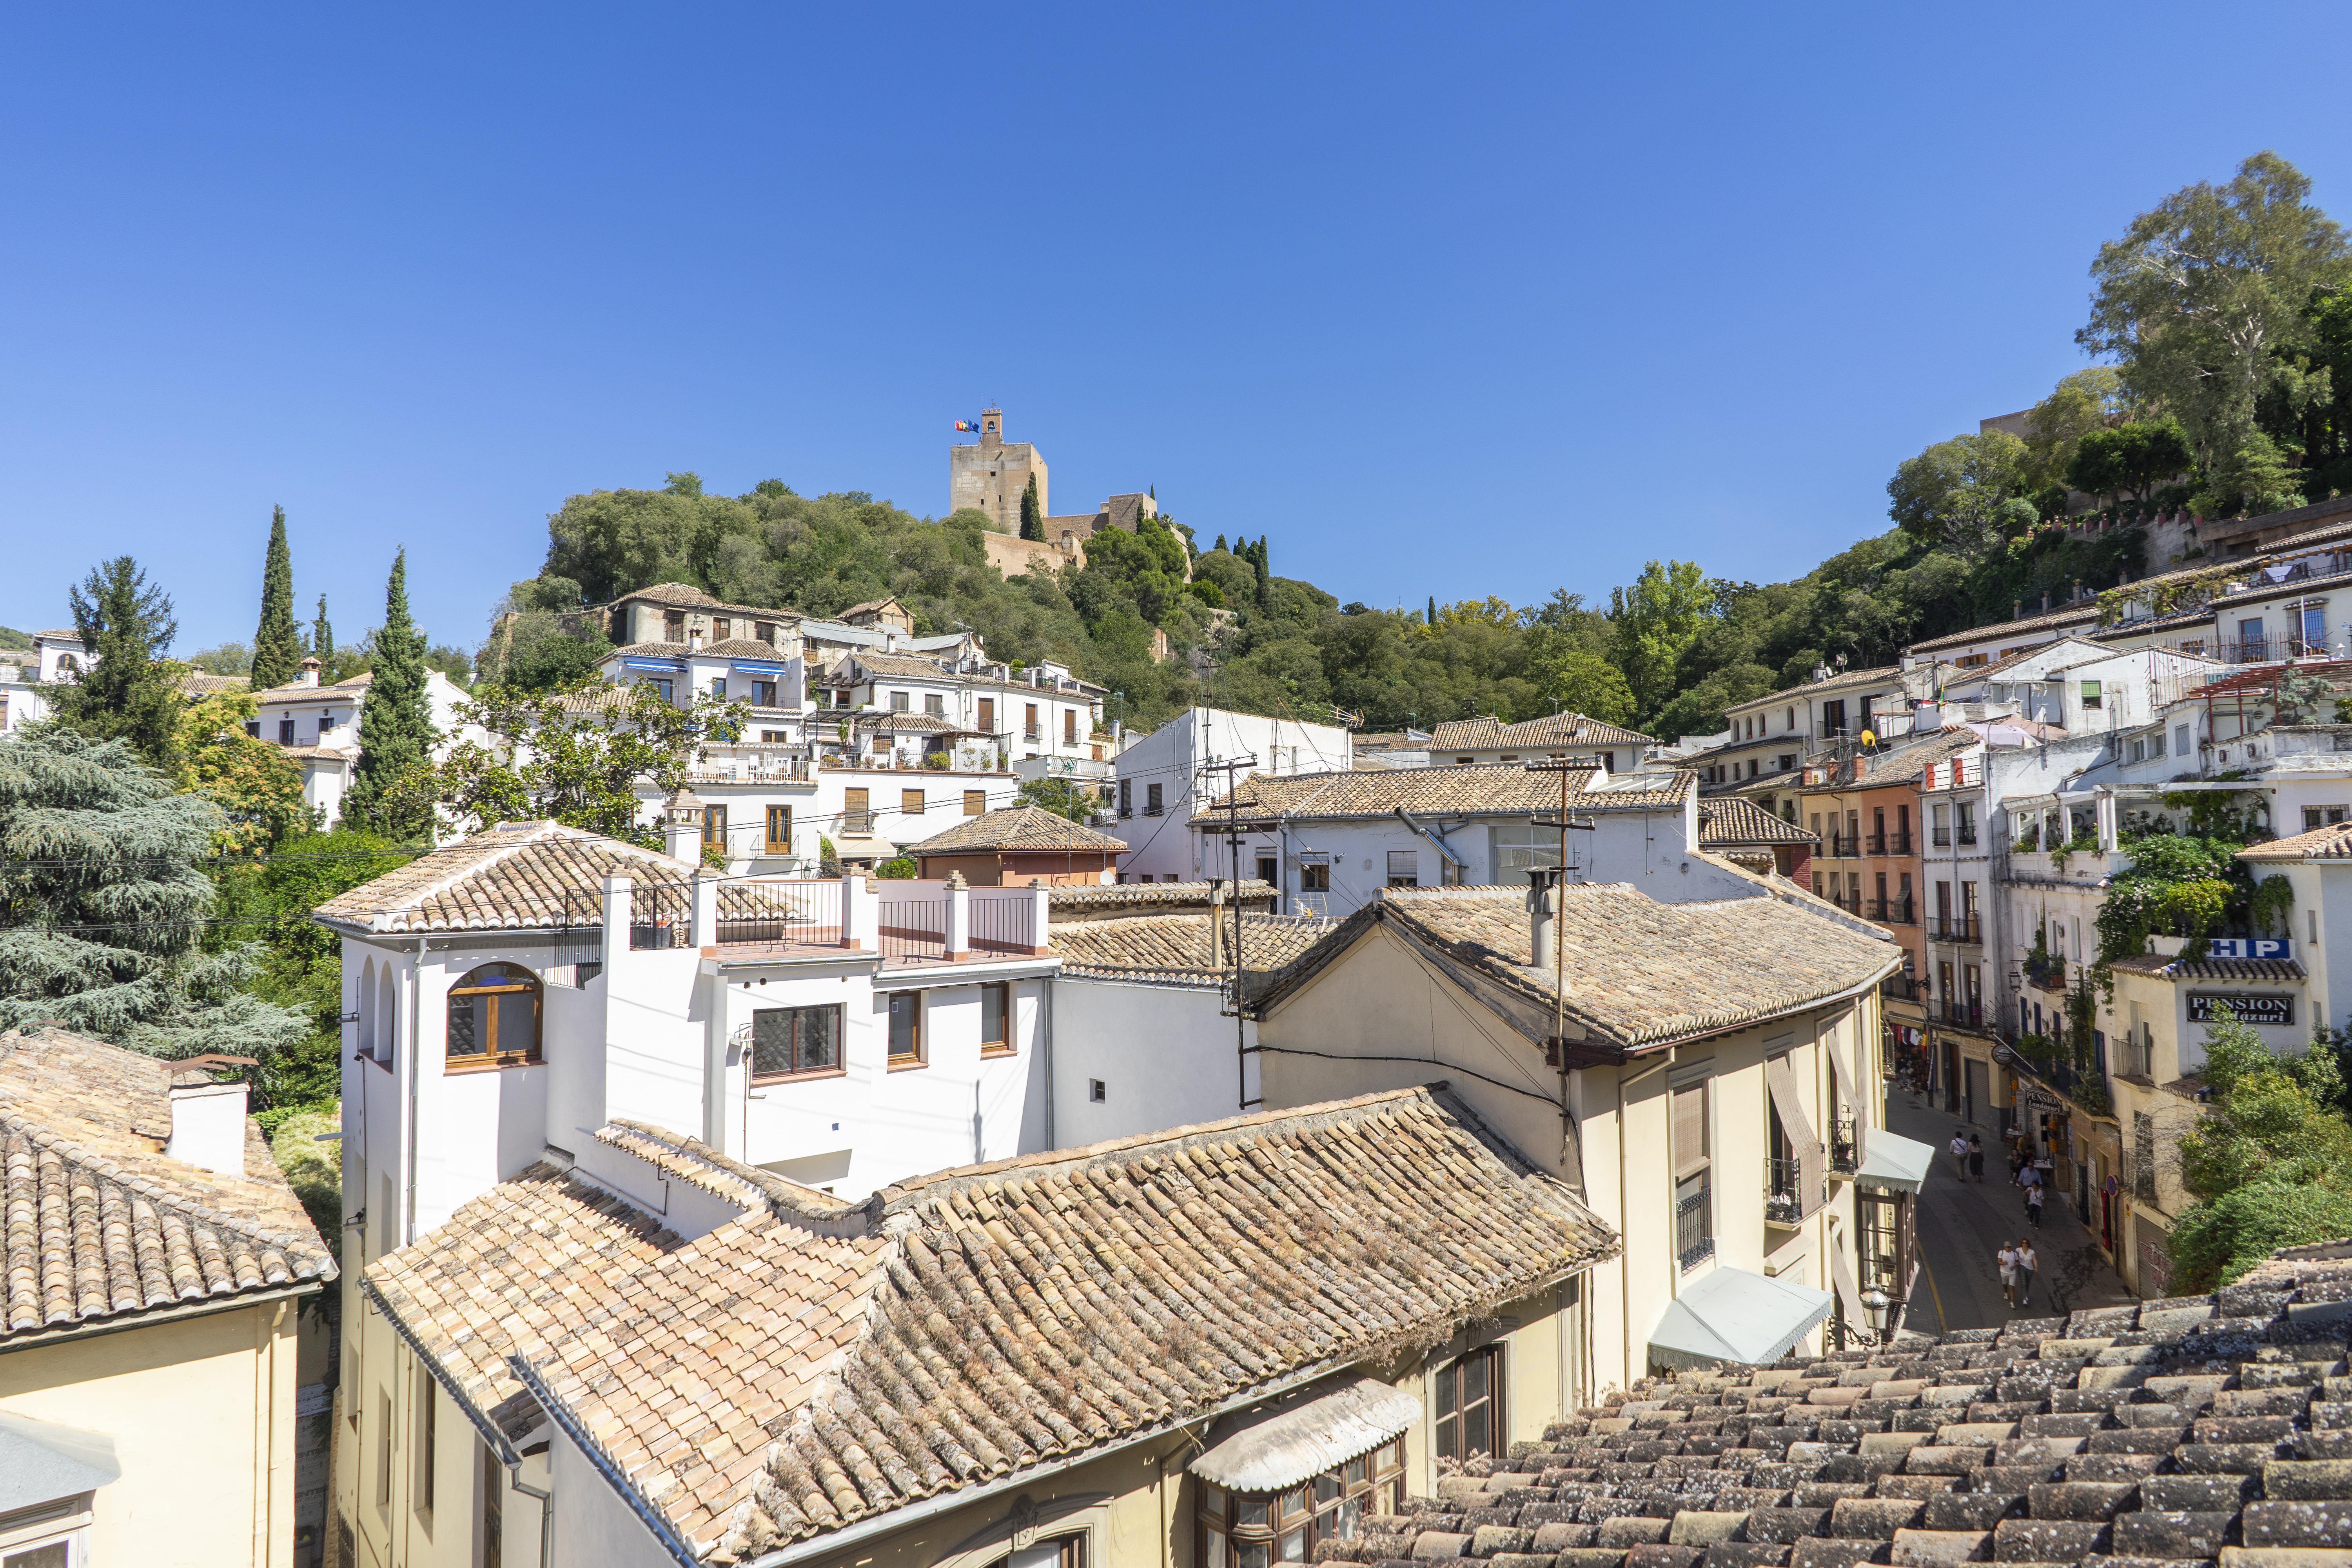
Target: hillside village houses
x,y
1162,780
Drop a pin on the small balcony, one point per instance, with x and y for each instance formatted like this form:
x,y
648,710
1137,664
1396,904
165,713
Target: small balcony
x,y
1967,930
1843,848
1785,1194
1842,1147
1889,843
1966,1015
1967,834
1900,988
1894,911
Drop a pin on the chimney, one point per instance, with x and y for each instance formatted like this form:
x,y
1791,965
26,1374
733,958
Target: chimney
x,y
208,1126
1543,908
682,826
694,641
309,676
890,639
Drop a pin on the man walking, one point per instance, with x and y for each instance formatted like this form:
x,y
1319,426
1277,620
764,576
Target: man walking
x,y
2007,1258
1959,1157
2027,1178
2026,1264
2033,1204
1975,1159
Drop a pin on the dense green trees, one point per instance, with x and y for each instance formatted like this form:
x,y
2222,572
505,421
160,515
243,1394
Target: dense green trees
x,y
105,904
396,732
124,689
277,646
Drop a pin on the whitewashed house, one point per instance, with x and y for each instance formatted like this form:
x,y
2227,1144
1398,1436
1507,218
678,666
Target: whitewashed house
x,y
1163,777
1569,737
318,728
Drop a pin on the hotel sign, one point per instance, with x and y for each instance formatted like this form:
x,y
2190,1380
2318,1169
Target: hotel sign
x,y
2250,1008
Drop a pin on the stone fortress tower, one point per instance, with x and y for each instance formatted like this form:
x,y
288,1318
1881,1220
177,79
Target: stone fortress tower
x,y
989,474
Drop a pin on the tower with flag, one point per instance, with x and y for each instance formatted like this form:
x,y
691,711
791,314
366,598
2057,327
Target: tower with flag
x,y
989,475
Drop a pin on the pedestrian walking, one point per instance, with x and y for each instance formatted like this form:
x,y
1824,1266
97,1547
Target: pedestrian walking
x,y
2007,1258
2027,1178
2026,1264
2033,1204
1959,1157
1975,1159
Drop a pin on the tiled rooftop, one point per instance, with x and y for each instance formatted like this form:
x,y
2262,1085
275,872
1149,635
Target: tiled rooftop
x,y
776,1378
1018,827
2192,1430
1081,903
96,1225
1486,733
1478,789
1725,821
1175,948
2283,969
1641,973
2333,842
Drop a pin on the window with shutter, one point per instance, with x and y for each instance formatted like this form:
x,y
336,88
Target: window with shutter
x,y
1693,1205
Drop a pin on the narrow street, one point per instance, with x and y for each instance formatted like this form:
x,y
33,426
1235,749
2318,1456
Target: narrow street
x,y
1962,1225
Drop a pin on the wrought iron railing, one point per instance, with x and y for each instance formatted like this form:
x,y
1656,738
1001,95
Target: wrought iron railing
x,y
1784,1191
1894,911
1968,929
1841,1146
1693,1244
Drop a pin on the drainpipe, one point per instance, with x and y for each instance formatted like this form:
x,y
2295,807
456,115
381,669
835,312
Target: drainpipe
x,y
407,1216
1624,1270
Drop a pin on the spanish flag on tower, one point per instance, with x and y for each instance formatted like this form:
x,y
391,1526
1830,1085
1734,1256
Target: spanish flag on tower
x,y
971,425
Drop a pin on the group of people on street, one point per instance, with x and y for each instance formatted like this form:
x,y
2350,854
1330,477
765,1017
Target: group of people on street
x,y
1968,1157
2030,1173
2018,1261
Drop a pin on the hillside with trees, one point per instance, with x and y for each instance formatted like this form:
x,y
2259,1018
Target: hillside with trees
x,y
2223,323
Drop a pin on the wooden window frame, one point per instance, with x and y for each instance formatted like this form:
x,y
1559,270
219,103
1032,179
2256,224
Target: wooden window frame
x,y
1006,1043
975,803
491,1057
779,814
1249,1529
1069,726
1450,1407
797,1071
714,826
919,1057
910,803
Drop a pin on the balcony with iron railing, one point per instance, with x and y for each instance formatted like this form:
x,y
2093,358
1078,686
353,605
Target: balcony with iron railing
x,y
1842,1147
1966,1015
1693,1240
1785,1198
1896,844
1844,848
1967,930
1901,988
1894,911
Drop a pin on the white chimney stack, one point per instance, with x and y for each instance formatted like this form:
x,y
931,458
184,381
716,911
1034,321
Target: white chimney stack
x,y
1543,907
208,1126
309,676
682,826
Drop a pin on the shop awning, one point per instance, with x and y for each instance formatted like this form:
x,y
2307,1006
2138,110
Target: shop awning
x,y
1318,1429
1895,1163
41,1461
1731,1315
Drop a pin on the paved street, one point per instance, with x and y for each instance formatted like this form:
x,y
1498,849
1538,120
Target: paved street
x,y
1962,1225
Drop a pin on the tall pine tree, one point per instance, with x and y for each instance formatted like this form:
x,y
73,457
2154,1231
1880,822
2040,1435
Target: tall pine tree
x,y
124,689
1033,517
322,636
395,723
276,648
103,903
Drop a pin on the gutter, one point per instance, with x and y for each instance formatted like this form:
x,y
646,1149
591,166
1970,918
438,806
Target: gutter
x,y
149,1320
650,1517
1434,838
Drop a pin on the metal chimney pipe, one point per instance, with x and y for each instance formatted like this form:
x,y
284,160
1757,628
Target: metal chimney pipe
x,y
1543,907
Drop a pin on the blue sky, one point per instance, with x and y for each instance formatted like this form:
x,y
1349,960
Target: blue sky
x,y
1443,299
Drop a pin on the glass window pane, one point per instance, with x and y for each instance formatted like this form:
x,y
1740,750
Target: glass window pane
x,y
1475,1436
1474,1378
820,1032
1449,1437
772,1040
1213,1499
1293,1548
1251,1508
1249,1554
53,1555
1214,1551
465,1026
1351,1515
1354,1474
514,1022
903,1005
1326,1486
992,1015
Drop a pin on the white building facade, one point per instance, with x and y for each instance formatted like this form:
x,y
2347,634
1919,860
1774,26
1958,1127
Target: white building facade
x,y
1163,778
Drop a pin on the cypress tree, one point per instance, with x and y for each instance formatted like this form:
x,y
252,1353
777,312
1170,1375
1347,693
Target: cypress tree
x,y
123,691
1258,558
322,635
1432,610
1221,541
277,648
397,731
1033,519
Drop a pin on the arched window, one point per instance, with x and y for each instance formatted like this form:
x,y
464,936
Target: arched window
x,y
494,1016
367,1010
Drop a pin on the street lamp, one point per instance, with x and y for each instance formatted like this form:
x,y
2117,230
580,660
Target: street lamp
x,y
1878,1308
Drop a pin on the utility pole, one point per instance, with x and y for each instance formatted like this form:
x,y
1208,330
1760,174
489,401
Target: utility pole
x,y
1234,848
1551,887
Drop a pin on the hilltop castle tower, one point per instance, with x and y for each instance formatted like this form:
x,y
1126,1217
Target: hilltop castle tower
x,y
989,476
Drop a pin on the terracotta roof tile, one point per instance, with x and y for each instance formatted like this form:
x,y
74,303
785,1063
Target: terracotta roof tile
x,y
1725,821
1486,733
1175,948
96,1224
1085,902
1016,828
1640,972
2185,1430
2283,969
1481,789
2333,842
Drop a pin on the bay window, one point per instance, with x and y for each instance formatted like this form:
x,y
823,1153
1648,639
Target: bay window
x,y
1257,1530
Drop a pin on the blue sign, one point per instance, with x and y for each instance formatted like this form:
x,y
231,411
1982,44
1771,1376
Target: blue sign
x,y
2276,947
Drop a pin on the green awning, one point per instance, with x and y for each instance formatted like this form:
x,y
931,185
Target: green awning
x,y
1895,1163
1730,1315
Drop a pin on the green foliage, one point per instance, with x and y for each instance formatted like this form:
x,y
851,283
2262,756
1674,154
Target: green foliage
x,y
226,658
396,733
10,638
2086,401
276,648
1033,516
1061,797
535,650
313,1168
2178,885
577,757
1963,493
2129,460
2270,1164
897,869
1657,620
104,903
323,635
124,690
2205,301
256,786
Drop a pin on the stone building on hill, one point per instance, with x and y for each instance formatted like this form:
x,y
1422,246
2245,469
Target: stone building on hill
x,y
989,474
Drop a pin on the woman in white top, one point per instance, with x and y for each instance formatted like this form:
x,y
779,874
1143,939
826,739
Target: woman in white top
x,y
2007,1258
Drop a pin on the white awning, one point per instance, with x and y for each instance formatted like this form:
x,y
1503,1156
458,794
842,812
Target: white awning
x,y
1295,1439
1895,1163
1730,1315
41,1461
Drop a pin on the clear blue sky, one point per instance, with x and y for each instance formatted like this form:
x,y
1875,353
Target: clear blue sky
x,y
1444,300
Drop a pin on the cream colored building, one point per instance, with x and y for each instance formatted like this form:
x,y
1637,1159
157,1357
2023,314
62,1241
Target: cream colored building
x,y
1193,1349
1714,1094
155,1259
